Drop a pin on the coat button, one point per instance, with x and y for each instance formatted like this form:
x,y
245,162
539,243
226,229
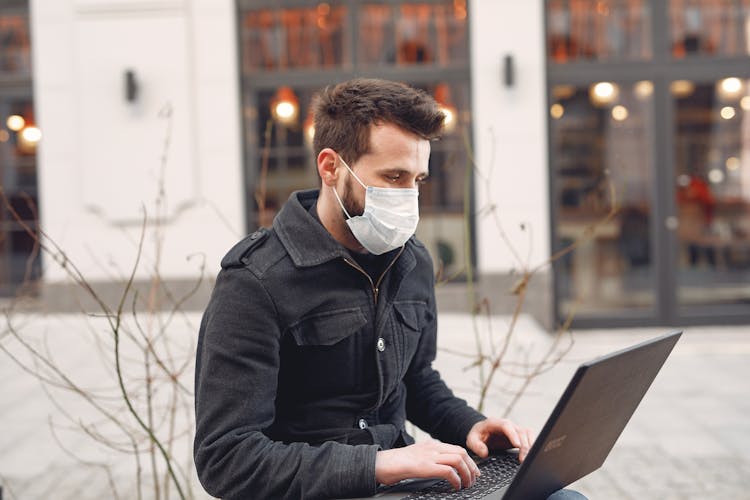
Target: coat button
x,y
362,423
381,344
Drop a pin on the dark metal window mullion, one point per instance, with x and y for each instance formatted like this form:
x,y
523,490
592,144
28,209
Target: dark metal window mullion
x,y
738,18
663,240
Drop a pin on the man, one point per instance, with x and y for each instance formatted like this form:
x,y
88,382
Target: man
x,y
319,337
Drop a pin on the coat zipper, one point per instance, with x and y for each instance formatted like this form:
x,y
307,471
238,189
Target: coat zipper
x,y
376,285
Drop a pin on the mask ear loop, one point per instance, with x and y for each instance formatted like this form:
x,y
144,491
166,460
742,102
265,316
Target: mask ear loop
x,y
336,194
352,172
340,203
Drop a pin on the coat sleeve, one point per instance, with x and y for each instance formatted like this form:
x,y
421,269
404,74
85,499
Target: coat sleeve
x,y
236,375
430,404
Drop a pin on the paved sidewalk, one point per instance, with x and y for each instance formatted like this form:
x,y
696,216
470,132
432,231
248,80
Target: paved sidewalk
x,y
690,438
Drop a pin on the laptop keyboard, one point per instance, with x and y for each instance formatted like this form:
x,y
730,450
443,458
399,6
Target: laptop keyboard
x,y
497,471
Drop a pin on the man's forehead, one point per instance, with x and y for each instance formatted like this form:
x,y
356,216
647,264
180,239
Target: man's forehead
x,y
390,139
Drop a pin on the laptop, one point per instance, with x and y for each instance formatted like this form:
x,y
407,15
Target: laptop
x,y
579,434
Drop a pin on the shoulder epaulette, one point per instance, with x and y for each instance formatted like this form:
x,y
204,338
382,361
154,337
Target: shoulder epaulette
x,y
237,256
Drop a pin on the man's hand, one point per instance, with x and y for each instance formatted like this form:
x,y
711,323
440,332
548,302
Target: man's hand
x,y
499,434
430,459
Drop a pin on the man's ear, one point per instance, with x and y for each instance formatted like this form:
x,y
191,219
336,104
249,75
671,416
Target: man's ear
x,y
327,163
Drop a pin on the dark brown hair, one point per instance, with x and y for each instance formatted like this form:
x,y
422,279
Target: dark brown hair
x,y
345,112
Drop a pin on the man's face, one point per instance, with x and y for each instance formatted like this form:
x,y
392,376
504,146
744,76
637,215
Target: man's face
x,y
396,159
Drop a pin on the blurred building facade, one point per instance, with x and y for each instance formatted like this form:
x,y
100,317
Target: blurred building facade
x,y
610,137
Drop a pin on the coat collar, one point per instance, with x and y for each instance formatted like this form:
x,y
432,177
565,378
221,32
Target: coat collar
x,y
306,240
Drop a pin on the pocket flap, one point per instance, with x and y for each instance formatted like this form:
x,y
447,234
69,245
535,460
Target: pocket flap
x,y
409,313
328,327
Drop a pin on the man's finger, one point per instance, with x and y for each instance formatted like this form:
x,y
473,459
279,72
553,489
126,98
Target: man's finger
x,y
462,468
511,433
528,440
478,446
449,474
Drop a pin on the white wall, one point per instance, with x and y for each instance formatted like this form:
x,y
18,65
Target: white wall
x,y
101,158
510,132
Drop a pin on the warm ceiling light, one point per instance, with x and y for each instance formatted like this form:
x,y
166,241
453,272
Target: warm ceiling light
x,y
557,111
619,113
443,98
308,129
285,106
745,103
733,163
603,93
727,112
681,88
449,122
28,139
32,135
644,89
715,176
15,122
729,89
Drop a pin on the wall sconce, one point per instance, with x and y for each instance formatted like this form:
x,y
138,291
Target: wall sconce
x,y
131,86
285,106
509,71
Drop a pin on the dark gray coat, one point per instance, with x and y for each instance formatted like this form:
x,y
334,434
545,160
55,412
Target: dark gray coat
x,y
306,367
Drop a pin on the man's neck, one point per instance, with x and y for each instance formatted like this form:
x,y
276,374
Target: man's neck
x,y
331,216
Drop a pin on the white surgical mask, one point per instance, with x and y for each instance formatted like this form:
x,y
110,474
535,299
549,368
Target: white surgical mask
x,y
389,220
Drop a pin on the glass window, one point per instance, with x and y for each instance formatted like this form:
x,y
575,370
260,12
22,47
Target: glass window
x,y
281,127
19,263
15,53
712,184
597,30
413,33
602,149
709,27
291,38
328,43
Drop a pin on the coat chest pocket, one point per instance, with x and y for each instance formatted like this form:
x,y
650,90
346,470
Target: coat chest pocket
x,y
325,358
411,318
327,328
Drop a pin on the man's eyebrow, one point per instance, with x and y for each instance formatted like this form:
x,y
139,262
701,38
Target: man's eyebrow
x,y
403,171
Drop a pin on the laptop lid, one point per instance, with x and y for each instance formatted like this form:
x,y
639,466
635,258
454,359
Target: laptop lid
x,y
589,417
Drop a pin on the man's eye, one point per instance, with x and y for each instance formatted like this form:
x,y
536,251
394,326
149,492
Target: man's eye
x,y
392,178
423,180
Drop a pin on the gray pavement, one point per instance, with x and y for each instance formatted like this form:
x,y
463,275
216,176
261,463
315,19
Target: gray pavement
x,y
689,439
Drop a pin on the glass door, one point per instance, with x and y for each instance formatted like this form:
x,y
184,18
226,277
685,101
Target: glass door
x,y
712,192
602,150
